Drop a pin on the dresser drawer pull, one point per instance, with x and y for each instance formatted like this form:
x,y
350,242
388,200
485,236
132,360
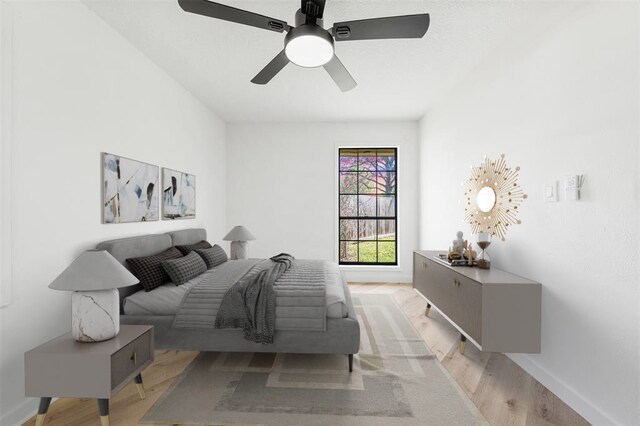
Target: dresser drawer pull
x,y
456,283
424,264
134,358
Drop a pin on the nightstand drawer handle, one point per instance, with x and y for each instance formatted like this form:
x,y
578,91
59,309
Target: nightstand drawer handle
x,y
134,358
424,264
456,283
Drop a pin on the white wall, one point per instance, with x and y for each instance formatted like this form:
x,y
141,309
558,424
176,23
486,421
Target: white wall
x,y
282,181
558,102
79,89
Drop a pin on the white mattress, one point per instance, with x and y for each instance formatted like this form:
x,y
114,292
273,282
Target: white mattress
x,y
166,299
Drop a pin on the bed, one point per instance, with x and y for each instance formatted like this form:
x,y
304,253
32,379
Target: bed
x,y
339,332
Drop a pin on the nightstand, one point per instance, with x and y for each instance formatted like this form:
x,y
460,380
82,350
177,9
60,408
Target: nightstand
x,y
64,367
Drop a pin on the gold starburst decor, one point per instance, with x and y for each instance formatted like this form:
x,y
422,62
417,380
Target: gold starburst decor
x,y
492,197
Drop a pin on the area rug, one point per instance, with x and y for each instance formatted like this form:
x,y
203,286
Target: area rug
x,y
395,380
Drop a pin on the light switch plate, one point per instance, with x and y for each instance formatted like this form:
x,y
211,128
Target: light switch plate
x,y
550,192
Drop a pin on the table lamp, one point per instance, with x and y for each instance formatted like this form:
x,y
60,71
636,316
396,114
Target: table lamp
x,y
94,278
239,236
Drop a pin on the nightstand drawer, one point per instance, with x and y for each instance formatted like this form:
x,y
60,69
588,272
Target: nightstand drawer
x,y
130,358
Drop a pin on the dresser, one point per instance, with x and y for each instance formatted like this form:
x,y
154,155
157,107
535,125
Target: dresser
x,y
63,367
497,311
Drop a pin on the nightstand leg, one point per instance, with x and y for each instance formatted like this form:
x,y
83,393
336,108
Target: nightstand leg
x,y
463,339
426,311
103,408
42,410
140,386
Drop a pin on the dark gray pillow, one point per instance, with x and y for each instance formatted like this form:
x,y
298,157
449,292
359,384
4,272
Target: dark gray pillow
x,y
213,256
148,269
182,270
186,249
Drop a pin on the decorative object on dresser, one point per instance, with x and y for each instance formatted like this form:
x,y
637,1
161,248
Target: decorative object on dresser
x,y
129,190
179,195
460,253
492,197
495,310
239,236
63,367
484,241
94,278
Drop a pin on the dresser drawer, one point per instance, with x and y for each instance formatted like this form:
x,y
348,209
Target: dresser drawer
x,y
466,309
457,296
128,359
433,281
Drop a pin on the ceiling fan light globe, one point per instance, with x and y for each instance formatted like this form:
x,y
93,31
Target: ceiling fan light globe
x,y
309,51
309,46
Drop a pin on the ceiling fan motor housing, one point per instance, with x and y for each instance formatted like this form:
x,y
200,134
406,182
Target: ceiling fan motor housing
x,y
302,18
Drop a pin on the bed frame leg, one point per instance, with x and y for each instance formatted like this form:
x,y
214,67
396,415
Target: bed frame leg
x,y
350,363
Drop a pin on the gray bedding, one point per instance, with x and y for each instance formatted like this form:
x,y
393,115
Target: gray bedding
x,y
166,299
250,303
299,293
159,307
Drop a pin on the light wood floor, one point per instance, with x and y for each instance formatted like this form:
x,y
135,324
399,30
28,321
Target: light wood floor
x,y
503,392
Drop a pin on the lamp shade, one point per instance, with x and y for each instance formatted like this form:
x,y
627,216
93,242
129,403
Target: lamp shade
x,y
94,270
239,233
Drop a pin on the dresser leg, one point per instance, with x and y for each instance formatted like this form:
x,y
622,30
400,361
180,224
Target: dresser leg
x,y
350,363
140,386
463,340
103,408
42,410
426,311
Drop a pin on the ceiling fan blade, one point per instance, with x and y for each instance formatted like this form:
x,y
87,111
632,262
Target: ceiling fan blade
x,y
340,75
231,14
274,67
313,8
408,26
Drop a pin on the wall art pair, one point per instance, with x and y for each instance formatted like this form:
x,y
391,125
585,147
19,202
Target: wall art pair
x,y
130,191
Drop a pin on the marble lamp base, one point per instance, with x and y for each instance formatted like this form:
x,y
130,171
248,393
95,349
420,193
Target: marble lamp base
x,y
95,315
239,249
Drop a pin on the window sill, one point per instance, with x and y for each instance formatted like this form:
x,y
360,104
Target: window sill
x,y
394,268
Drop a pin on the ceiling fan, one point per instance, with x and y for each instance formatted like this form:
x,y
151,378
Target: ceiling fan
x,y
308,44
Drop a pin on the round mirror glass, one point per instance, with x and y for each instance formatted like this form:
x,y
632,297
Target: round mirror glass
x,y
486,199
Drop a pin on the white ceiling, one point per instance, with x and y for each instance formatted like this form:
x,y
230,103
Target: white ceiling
x,y
397,79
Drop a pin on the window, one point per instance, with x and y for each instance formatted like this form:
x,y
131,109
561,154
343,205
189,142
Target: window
x,y
367,206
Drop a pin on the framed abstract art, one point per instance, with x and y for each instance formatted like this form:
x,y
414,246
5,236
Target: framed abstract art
x,y
129,190
178,195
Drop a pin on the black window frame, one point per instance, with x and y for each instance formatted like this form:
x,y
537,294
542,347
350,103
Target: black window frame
x,y
358,218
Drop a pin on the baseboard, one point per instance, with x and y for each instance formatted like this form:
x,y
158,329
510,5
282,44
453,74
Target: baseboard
x,y
569,396
386,277
21,413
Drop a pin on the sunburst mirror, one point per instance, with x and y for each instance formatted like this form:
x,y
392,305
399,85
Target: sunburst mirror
x,y
492,197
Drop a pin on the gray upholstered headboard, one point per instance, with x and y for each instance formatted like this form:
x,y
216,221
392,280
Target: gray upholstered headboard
x,y
187,236
147,245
